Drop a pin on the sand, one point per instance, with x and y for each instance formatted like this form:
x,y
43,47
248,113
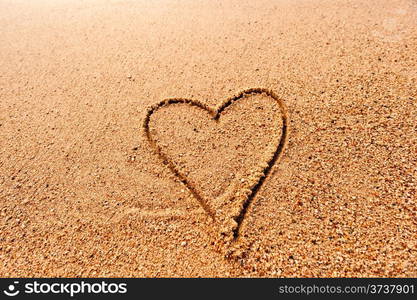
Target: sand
x,y
311,173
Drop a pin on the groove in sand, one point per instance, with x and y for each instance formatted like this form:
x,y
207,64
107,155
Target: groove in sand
x,y
215,114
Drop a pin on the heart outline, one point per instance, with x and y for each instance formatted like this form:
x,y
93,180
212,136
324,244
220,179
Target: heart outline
x,y
215,115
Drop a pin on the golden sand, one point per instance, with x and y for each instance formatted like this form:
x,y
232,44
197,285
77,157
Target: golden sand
x,y
310,172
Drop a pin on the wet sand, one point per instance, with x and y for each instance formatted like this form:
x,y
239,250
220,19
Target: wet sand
x,y
85,192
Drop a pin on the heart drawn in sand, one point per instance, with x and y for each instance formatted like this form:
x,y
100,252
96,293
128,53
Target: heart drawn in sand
x,y
222,155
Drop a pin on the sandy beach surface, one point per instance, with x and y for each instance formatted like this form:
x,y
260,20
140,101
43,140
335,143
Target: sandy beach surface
x,y
85,192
